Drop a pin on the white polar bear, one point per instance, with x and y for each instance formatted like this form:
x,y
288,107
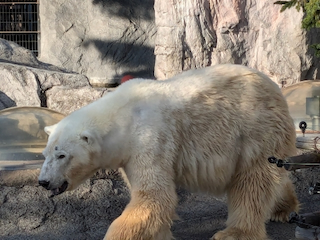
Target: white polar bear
x,y
209,130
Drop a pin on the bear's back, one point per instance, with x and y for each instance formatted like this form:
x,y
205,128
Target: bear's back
x,y
228,117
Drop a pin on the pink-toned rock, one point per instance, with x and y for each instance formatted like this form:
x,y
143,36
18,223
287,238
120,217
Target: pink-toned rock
x,y
198,33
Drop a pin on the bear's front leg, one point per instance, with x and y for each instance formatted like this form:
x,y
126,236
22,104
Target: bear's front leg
x,y
148,216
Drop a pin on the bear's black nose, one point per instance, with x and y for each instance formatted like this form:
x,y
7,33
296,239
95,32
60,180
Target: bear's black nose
x,y
44,184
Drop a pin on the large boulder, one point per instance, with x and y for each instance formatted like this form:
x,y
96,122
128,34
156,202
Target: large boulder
x,y
25,81
11,52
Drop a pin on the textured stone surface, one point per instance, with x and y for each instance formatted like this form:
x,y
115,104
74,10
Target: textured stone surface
x,y
19,178
197,33
27,212
69,99
102,39
11,52
29,86
106,39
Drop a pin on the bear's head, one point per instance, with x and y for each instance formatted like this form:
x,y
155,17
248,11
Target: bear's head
x,y
70,157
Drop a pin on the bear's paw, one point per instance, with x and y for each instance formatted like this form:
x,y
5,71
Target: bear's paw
x,y
237,234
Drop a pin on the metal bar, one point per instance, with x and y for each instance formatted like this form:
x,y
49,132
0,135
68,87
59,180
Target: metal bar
x,y
18,3
297,162
17,32
303,164
305,220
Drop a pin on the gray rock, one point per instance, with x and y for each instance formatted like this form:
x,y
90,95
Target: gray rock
x,y
102,39
19,86
106,39
27,212
11,52
68,99
29,86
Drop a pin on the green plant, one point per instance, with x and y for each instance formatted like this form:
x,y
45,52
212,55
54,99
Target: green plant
x,y
311,18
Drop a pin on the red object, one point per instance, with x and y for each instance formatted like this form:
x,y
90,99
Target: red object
x,y
126,78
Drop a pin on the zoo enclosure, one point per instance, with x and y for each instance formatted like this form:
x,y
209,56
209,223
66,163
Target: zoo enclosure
x,y
19,22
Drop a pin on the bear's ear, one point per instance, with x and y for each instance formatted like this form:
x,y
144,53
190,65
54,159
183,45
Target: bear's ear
x,y
50,129
87,136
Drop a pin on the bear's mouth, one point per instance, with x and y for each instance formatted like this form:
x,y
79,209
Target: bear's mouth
x,y
60,189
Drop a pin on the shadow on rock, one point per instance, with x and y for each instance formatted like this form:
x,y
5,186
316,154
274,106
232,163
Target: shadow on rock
x,y
5,101
131,56
134,9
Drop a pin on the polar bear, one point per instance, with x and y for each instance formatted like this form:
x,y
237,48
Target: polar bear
x,y
210,129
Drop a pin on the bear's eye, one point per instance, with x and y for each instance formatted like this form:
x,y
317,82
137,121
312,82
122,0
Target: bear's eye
x,y
61,156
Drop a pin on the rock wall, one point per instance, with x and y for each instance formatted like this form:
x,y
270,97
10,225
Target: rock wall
x,y
106,39
198,33
102,39
99,41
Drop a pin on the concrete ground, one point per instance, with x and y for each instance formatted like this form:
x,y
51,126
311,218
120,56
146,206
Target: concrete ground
x,y
27,212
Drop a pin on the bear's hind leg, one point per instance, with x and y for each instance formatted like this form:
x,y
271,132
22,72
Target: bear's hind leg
x,y
251,198
287,201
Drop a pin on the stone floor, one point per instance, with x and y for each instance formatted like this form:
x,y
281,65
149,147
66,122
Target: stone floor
x,y
27,212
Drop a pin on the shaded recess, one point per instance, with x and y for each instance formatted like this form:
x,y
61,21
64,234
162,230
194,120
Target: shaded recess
x,y
130,52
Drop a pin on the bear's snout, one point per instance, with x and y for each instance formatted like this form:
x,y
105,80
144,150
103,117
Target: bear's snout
x,y
54,190
44,184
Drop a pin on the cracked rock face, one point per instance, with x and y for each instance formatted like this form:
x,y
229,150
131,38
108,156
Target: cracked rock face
x,y
107,39
26,86
198,33
40,84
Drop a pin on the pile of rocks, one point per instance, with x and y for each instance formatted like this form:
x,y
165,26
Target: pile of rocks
x,y
25,81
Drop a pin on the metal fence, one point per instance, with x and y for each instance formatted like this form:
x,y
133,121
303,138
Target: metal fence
x,y
19,22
